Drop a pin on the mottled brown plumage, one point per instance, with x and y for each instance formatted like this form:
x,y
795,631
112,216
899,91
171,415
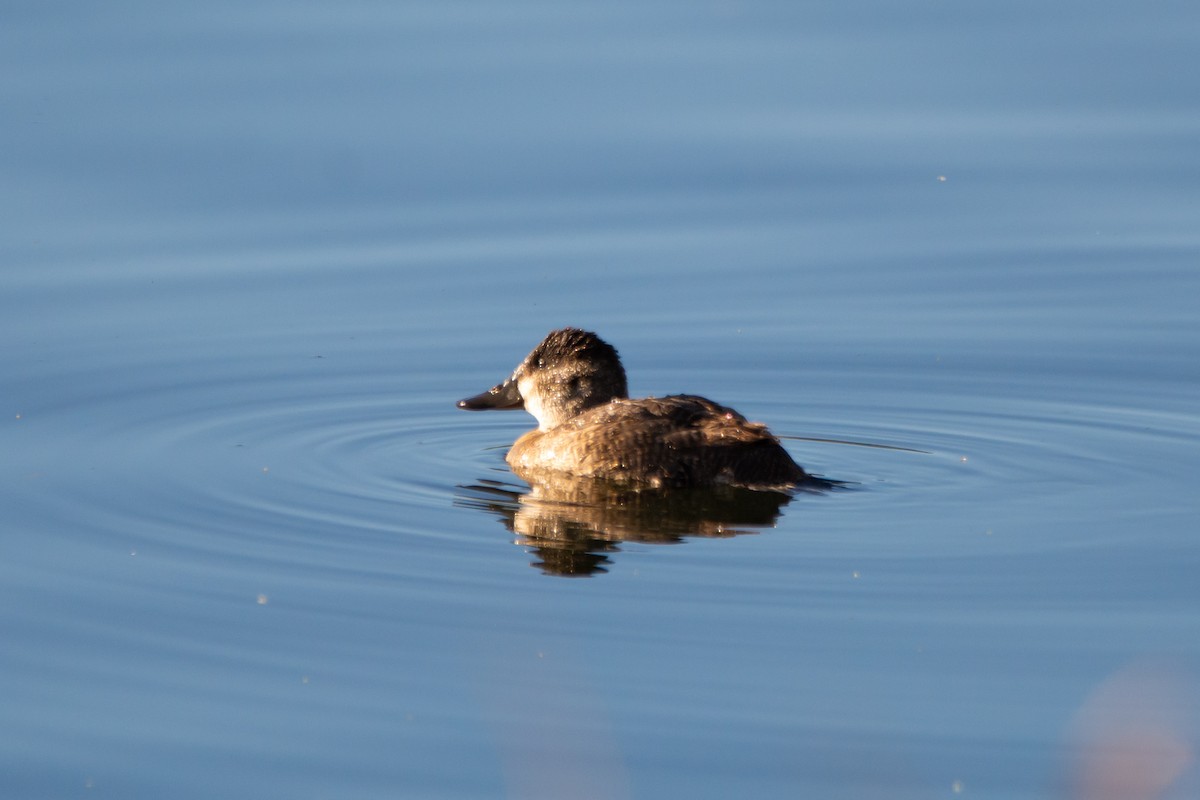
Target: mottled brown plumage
x,y
574,384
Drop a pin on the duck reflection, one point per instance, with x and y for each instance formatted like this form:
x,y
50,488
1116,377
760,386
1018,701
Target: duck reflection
x,y
605,468
574,526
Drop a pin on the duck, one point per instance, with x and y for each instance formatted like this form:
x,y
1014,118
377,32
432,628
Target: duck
x,y
588,427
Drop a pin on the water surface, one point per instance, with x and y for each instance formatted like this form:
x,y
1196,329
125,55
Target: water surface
x,y
252,254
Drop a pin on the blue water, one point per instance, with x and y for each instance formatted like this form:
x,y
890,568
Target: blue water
x,y
252,253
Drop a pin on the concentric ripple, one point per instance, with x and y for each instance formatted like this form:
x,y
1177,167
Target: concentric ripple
x,y
318,466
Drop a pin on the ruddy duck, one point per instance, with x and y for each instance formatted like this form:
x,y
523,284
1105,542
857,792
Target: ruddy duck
x,y
574,385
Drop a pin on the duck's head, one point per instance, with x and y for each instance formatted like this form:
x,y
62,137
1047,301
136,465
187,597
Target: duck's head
x,y
568,373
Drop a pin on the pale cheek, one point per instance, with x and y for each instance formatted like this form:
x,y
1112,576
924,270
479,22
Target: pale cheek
x,y
534,407
533,403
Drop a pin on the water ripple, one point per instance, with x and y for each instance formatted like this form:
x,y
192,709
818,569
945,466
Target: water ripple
x,y
308,468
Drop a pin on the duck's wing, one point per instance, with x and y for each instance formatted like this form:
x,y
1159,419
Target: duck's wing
x,y
685,440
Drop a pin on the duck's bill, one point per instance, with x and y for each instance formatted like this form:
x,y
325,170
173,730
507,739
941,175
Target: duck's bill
x,y
502,396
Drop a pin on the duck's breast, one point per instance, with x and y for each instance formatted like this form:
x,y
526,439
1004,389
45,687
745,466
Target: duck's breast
x,y
671,441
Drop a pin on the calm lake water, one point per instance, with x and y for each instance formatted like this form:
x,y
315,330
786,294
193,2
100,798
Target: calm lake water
x,y
253,252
